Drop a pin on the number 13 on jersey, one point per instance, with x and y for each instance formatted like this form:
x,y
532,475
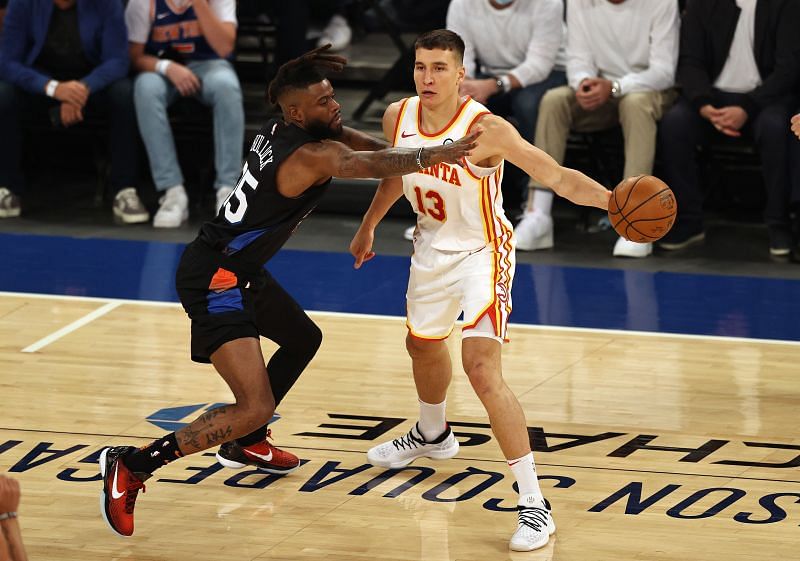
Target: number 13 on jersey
x,y
431,203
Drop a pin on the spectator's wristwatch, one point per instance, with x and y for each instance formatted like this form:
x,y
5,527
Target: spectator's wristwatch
x,y
503,83
616,91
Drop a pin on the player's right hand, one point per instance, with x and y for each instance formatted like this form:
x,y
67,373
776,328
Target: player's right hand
x,y
454,152
185,81
9,494
361,246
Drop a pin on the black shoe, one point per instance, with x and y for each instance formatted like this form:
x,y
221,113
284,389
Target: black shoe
x,y
682,236
780,241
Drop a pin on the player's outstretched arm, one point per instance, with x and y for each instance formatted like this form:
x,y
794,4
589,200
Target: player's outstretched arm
x,y
388,192
568,183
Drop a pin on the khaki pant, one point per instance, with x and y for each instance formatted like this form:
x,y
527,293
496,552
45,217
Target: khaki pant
x,y
637,112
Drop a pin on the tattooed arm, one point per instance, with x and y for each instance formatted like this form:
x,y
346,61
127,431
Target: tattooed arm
x,y
316,162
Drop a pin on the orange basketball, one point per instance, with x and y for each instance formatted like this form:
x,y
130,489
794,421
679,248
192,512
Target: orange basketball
x,y
642,208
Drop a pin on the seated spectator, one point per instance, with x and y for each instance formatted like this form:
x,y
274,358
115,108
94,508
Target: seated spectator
x,y
796,125
182,50
67,59
511,59
738,68
11,547
621,58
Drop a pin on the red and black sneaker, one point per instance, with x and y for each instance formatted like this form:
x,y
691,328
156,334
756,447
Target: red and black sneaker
x,y
120,488
262,455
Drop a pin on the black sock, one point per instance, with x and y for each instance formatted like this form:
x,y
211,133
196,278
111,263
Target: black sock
x,y
258,435
155,455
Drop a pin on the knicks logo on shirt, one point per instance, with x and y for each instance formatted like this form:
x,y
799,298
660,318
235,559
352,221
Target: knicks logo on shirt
x,y
445,172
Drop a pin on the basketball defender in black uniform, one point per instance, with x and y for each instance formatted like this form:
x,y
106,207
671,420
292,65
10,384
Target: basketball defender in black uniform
x,y
230,297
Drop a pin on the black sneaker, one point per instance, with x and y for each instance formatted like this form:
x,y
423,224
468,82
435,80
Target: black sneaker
x,y
682,236
780,241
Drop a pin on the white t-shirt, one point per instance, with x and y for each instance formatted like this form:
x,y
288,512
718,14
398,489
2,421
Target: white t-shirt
x,y
635,42
138,18
526,39
740,73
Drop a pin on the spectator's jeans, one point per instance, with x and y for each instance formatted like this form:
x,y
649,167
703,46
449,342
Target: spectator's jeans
x,y
683,130
521,105
637,112
220,89
114,103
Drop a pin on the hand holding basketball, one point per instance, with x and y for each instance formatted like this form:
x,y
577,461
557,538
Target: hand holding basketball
x,y
642,208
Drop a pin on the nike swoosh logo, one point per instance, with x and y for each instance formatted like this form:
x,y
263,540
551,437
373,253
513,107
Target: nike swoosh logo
x,y
404,135
161,16
114,493
266,458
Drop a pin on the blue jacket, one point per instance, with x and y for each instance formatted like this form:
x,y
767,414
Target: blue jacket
x,y
103,35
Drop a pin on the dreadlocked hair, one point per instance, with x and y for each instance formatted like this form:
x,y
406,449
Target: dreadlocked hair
x,y
303,71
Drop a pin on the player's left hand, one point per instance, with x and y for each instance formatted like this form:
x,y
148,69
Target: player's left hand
x,y
361,246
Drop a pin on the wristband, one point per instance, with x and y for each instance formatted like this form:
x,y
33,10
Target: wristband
x,y
7,515
162,65
50,88
505,82
419,158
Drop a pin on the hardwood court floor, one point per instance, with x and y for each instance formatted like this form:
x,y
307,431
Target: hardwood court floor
x,y
719,481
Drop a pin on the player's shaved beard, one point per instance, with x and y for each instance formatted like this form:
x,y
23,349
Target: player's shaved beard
x,y
322,130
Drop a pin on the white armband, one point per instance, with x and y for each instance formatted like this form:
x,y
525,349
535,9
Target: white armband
x,y
162,65
50,88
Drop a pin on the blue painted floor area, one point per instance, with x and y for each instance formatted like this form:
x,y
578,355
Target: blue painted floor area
x,y
547,295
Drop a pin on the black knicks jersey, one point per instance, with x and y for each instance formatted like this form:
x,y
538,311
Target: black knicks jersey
x,y
256,220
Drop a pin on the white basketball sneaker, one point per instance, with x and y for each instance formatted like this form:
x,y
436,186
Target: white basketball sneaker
x,y
400,452
535,524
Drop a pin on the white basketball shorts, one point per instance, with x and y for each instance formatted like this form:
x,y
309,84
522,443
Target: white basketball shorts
x,y
443,284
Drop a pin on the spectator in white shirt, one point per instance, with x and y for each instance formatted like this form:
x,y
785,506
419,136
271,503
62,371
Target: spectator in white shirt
x,y
513,55
621,59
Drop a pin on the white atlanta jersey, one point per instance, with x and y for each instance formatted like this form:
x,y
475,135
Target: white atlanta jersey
x,y
459,208
463,259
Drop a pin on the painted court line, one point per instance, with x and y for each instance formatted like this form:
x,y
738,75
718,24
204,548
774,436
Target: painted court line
x,y
525,326
77,324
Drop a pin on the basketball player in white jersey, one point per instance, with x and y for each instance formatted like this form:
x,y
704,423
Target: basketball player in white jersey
x,y
463,262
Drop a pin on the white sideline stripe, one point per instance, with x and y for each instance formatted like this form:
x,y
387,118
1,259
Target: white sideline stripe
x,y
524,326
77,324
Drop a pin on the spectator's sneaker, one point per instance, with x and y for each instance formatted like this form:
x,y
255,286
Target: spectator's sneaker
x,y
222,195
780,241
337,33
174,209
535,524
400,452
120,488
534,231
408,233
263,456
682,236
128,208
9,204
625,248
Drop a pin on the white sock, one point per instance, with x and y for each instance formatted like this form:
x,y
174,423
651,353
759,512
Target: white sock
x,y
524,470
432,419
542,201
